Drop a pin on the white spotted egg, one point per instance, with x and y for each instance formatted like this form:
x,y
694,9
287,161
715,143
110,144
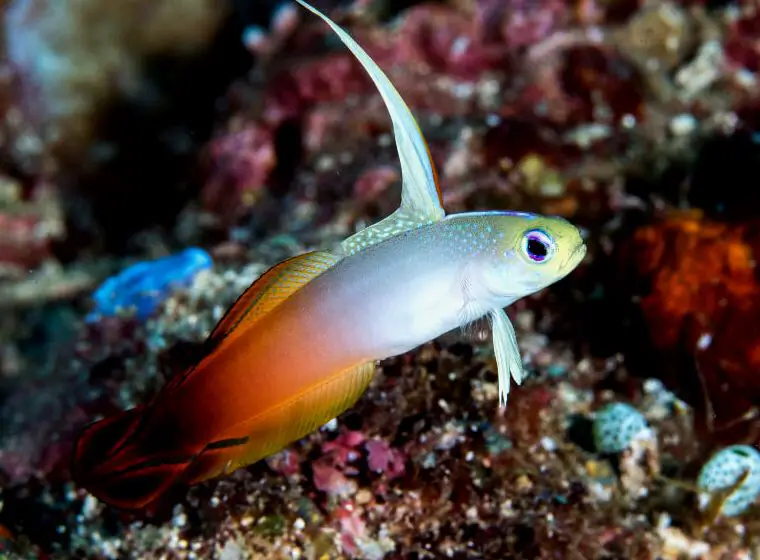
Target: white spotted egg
x,y
616,426
723,471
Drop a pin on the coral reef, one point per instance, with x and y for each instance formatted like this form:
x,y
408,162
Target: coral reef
x,y
105,103
699,295
132,130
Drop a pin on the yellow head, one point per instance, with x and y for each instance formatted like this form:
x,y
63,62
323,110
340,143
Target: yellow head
x,y
521,253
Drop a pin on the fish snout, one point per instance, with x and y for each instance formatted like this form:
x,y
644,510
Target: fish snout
x,y
574,258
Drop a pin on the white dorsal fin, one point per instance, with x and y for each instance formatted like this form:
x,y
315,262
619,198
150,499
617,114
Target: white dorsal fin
x,y
508,359
421,201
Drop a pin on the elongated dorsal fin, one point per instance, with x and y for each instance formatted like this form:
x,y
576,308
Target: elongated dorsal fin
x,y
421,201
269,431
508,361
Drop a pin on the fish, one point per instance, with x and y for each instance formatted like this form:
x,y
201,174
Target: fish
x,y
300,346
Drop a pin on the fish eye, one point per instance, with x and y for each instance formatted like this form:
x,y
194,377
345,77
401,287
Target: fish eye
x,y
538,245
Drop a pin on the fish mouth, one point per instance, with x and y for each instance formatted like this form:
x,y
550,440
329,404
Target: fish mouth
x,y
575,257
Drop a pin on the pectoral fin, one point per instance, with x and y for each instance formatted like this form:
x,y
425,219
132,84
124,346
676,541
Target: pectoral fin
x,y
508,361
421,201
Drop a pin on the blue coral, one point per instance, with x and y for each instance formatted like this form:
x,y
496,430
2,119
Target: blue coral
x,y
144,286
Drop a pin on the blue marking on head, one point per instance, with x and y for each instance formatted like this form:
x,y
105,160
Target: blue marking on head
x,y
516,214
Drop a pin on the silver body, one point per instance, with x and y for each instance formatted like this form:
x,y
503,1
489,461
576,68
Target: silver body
x,y
403,292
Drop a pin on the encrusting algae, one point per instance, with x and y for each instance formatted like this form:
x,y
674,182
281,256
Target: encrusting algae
x,y
578,110
299,347
699,296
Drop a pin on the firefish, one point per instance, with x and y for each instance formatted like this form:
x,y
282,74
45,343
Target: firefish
x,y
300,345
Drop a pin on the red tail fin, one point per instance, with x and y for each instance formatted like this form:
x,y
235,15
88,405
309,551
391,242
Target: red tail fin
x,y
116,462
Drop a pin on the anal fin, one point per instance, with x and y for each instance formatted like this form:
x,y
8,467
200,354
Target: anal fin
x,y
273,429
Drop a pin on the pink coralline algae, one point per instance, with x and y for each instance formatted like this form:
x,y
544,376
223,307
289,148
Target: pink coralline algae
x,y
286,462
331,481
444,41
329,79
374,182
432,40
240,165
743,43
540,62
348,455
29,225
343,449
338,460
592,76
384,459
19,243
354,535
527,22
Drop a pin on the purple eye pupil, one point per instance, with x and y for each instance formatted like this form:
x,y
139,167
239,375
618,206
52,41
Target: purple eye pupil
x,y
537,250
537,245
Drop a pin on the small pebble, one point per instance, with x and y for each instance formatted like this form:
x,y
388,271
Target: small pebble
x,y
683,124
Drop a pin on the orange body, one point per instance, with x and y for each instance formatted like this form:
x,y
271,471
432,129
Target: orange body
x,y
272,374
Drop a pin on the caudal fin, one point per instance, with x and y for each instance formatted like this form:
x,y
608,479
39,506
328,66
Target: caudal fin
x,y
116,462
